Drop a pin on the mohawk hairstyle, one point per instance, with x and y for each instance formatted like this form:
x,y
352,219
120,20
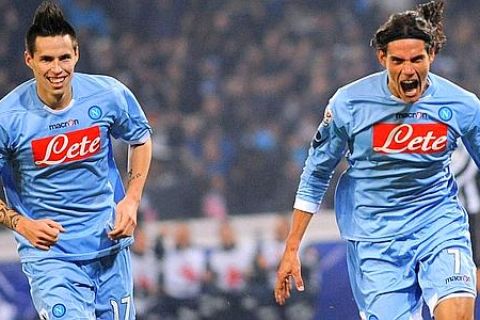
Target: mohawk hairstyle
x,y
48,21
424,23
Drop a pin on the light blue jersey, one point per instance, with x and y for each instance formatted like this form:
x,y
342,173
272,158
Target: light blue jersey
x,y
398,180
59,164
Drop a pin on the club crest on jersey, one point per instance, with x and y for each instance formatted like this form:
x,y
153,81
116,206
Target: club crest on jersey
x,y
59,310
94,112
445,113
67,147
420,138
327,117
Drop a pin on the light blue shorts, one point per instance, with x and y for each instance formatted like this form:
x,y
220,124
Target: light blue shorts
x,y
95,289
391,279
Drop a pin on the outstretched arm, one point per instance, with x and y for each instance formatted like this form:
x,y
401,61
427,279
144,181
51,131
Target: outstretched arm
x,y
290,266
126,212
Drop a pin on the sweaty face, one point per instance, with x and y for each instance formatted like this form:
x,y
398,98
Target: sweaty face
x,y
407,63
53,63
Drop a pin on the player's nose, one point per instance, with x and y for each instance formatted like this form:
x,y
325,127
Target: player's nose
x,y
56,67
408,69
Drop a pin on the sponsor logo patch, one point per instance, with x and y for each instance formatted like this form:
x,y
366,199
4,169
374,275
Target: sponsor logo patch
x,y
317,139
68,147
411,115
327,117
66,124
458,278
421,138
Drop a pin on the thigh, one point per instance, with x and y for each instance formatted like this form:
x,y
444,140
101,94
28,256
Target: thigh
x,y
60,289
448,272
114,287
383,280
455,307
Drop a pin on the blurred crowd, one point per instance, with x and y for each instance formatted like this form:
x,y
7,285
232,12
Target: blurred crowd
x,y
177,279
233,89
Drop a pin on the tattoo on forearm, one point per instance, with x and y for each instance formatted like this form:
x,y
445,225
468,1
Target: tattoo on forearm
x,y
8,217
132,176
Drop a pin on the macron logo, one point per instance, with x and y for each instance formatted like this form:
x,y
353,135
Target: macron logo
x,y
66,124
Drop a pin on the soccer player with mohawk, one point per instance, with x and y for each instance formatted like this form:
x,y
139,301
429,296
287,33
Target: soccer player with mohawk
x,y
73,219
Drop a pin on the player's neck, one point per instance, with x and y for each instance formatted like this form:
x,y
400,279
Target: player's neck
x,y
56,101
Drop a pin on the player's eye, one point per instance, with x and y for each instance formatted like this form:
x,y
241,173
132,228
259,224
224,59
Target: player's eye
x,y
397,61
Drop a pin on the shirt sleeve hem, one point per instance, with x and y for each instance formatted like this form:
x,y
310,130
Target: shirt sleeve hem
x,y
142,140
306,206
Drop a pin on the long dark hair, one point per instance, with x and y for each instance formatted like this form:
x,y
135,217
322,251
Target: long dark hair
x,y
424,23
48,21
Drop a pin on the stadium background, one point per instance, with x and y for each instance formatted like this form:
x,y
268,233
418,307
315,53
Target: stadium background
x,y
234,90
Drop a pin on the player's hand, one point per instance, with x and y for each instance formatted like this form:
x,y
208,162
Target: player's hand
x,y
288,271
42,234
125,219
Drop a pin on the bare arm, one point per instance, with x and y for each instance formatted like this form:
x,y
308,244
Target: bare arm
x,y
290,266
9,217
126,213
138,166
42,234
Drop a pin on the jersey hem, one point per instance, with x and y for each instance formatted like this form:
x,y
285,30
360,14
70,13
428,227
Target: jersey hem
x,y
80,257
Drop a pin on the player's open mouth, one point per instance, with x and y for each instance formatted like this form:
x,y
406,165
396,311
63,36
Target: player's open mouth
x,y
409,87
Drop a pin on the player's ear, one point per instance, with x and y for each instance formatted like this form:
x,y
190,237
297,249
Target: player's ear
x,y
381,57
28,59
431,55
77,53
